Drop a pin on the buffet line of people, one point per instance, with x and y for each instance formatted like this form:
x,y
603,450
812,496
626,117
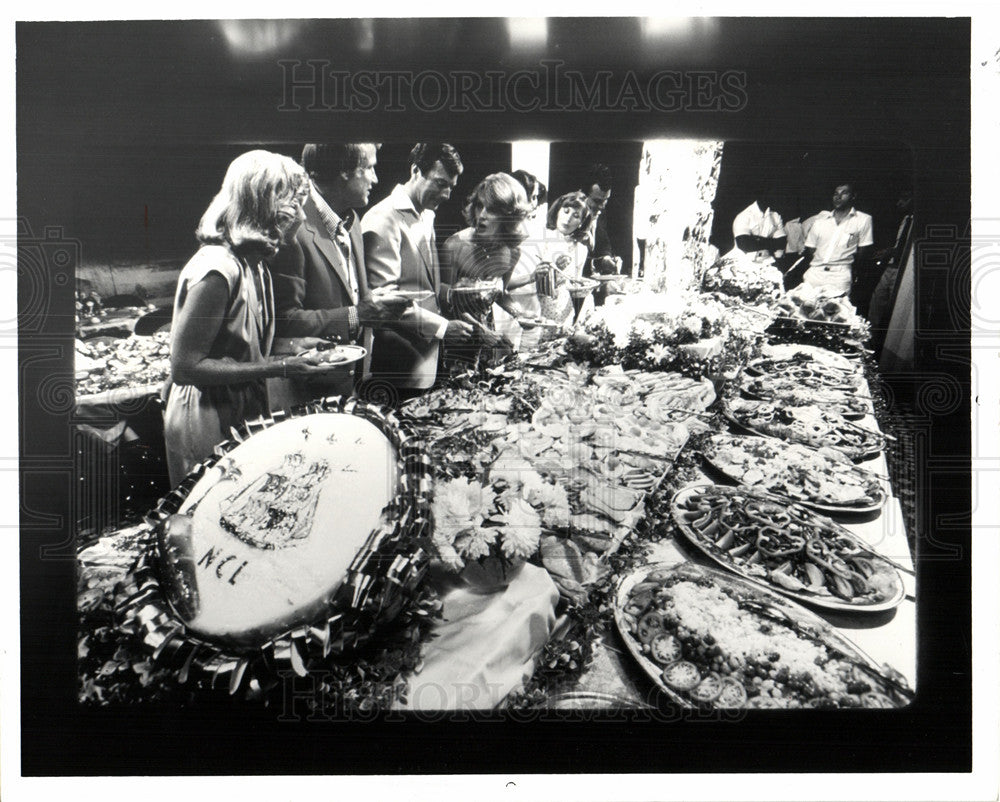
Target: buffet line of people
x,y
289,268
292,266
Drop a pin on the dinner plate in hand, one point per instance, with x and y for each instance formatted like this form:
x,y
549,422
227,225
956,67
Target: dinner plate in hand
x,y
339,355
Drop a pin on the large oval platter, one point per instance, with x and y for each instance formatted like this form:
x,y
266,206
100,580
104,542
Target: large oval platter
x,y
788,391
796,472
822,356
296,540
274,525
711,640
813,426
809,371
786,548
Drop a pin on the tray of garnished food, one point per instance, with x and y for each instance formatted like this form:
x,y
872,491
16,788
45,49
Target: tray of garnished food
x,y
786,547
814,426
711,640
813,353
791,392
825,479
808,372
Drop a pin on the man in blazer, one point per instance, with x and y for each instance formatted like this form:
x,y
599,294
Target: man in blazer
x,y
320,282
400,249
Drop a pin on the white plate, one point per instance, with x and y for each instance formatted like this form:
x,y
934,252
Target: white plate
x,y
339,355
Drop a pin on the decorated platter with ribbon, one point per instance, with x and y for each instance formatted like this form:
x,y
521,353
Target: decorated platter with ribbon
x,y
787,548
296,540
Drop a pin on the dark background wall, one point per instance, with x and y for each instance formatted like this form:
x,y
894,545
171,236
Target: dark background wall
x,y
803,177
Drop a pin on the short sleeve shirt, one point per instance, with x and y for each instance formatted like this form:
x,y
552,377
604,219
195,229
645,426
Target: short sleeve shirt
x,y
836,244
756,223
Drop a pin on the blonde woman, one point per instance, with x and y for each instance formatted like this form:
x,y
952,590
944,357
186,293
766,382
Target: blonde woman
x,y
223,323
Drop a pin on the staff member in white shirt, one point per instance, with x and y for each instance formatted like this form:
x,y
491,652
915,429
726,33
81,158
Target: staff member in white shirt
x,y
759,232
838,241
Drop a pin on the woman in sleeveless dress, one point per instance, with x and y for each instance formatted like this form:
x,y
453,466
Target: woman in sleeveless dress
x,y
223,323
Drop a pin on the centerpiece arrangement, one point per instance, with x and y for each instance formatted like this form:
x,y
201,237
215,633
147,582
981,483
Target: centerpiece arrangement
x,y
486,532
687,332
743,278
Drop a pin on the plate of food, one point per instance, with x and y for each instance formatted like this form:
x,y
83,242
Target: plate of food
x,y
840,338
811,425
536,322
808,353
825,480
414,295
338,354
581,287
786,547
808,372
792,392
714,641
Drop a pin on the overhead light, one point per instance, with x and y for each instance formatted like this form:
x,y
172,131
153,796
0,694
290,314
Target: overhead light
x,y
528,33
259,37
658,30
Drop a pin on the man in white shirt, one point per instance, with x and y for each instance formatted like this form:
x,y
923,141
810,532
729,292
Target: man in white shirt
x,y
400,249
837,242
759,232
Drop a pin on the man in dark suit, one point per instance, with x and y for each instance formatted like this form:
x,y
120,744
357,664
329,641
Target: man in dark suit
x,y
320,282
400,249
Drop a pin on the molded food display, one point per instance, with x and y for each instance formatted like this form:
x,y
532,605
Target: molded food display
x,y
786,547
711,640
825,481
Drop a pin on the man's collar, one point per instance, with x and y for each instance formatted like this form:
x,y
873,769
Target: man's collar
x,y
401,200
850,213
324,209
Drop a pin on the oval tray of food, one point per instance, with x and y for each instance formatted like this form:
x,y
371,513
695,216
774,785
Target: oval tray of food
x,y
785,547
812,323
810,353
803,366
715,641
810,426
790,391
796,472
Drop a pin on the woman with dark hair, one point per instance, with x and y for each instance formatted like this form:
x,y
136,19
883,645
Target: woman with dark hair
x,y
534,190
562,249
223,324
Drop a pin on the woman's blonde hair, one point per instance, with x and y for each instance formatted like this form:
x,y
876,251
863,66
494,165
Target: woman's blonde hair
x,y
258,199
499,194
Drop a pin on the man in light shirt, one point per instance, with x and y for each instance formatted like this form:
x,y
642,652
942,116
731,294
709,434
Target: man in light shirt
x,y
837,243
400,249
758,230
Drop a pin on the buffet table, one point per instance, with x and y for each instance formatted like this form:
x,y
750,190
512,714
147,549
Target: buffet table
x,y
544,636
